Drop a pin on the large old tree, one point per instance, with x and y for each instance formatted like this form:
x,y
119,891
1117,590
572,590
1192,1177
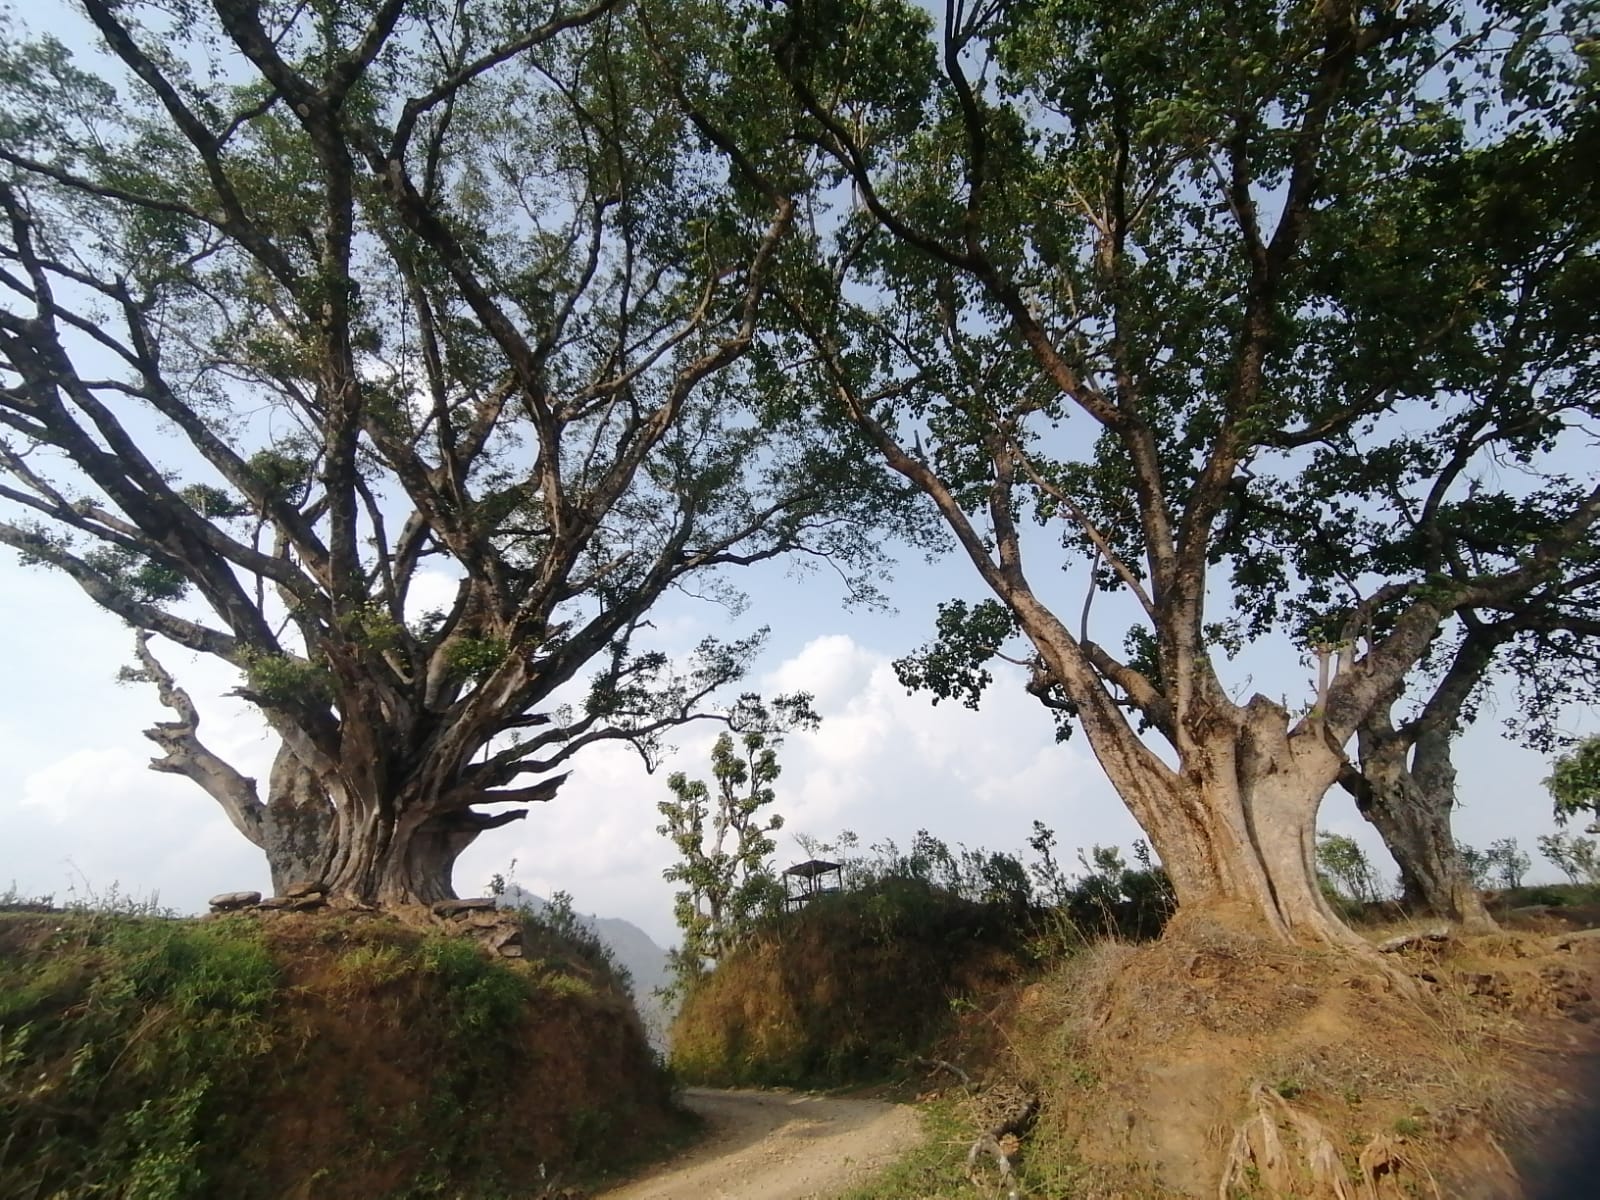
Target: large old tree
x,y
301,303
1158,275
1484,493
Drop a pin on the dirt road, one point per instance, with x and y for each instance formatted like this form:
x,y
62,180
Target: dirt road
x,y
779,1146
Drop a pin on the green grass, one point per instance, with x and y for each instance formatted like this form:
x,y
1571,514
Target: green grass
x,y
126,1039
150,1059
1555,895
935,1167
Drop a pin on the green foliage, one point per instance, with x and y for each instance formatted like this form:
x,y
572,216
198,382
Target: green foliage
x,y
1574,780
143,578
1112,899
844,989
151,1031
282,472
1479,866
212,503
1344,862
724,843
1578,858
476,657
374,627
1507,862
954,666
157,1059
850,984
286,680
567,942
936,1167
1107,897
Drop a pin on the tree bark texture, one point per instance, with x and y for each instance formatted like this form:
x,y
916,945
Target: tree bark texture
x,y
1235,823
364,850
1409,804
296,826
1237,834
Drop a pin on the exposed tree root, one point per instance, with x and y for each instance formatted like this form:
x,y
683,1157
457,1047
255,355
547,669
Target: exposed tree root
x,y
1407,940
1260,1160
939,1064
1306,1164
1002,1141
1382,1162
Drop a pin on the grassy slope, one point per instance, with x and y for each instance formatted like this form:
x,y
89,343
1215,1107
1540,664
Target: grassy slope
x,y
316,1056
844,990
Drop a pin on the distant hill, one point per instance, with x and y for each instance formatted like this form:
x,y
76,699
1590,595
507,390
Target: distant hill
x,y
644,960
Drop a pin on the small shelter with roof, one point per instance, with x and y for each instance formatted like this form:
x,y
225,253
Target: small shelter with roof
x,y
805,881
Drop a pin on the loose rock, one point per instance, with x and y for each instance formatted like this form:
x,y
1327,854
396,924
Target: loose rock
x,y
228,901
293,903
506,942
1391,945
454,908
305,888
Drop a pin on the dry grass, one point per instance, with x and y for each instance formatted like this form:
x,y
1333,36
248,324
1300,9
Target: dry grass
x,y
847,990
1211,1064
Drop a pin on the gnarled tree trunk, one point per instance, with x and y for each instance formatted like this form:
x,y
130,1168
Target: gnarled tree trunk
x,y
1409,803
1235,823
316,828
389,854
1237,834
297,826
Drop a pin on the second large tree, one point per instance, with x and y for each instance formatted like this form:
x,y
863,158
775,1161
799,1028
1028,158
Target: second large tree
x,y
1159,274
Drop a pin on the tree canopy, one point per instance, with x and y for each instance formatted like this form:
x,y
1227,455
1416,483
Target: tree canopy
x,y
1269,314
1574,780
301,304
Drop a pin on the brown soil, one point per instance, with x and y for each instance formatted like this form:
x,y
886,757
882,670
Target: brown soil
x,y
779,1146
580,1076
1211,1055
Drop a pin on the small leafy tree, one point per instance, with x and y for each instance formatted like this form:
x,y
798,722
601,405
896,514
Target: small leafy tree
x,y
1050,881
1476,863
724,841
1578,858
1508,863
1343,861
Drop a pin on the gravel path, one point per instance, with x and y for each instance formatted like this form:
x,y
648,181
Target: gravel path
x,y
779,1146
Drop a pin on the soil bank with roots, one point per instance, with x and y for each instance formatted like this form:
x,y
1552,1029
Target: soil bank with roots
x,y
1212,1064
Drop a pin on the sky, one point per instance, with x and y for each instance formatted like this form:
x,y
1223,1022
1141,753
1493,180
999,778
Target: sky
x,y
81,816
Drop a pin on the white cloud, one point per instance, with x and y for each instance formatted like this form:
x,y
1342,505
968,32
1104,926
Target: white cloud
x,y
885,763
98,818
429,591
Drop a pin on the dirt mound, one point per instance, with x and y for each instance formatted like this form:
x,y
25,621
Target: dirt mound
x,y
845,990
323,1056
1211,1060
